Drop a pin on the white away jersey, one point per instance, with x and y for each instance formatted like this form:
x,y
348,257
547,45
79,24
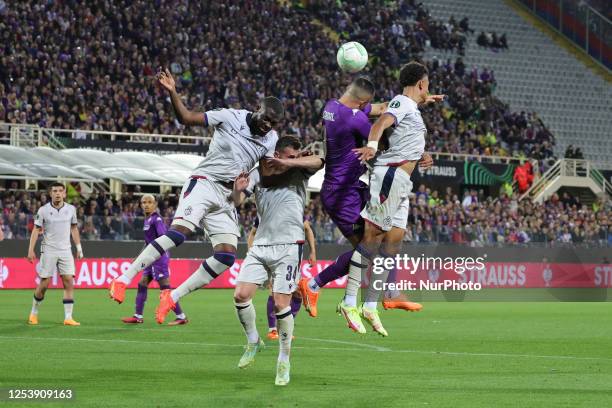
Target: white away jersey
x,y
407,141
280,209
56,225
233,148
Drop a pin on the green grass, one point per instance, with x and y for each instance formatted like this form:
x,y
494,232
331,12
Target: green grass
x,y
449,355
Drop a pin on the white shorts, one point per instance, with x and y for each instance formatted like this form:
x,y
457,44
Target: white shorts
x,y
389,198
281,262
50,262
207,204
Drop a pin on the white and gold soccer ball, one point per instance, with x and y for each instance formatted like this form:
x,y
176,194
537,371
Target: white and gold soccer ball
x,y
352,57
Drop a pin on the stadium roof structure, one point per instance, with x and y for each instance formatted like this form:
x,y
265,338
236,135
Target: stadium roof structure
x,y
9,170
20,163
161,166
190,161
73,162
118,168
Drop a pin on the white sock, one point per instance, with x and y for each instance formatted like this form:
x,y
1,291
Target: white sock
x,y
246,315
284,321
355,272
271,329
208,270
35,304
313,285
137,316
180,316
370,305
148,255
350,300
68,305
377,280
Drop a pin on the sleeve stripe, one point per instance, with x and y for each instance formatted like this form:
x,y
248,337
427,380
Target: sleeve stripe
x,y
205,119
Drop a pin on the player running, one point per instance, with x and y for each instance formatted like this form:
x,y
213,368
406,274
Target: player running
x,y
57,221
154,227
277,250
390,185
296,299
343,195
240,140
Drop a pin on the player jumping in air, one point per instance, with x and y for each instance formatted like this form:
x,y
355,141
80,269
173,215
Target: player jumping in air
x,y
276,250
154,228
343,195
296,299
390,186
240,140
57,221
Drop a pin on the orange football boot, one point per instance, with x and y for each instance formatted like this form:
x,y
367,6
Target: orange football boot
x,y
165,305
402,302
116,291
309,296
71,322
33,319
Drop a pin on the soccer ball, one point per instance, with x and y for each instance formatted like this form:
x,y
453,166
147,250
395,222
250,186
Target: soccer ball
x,y
352,57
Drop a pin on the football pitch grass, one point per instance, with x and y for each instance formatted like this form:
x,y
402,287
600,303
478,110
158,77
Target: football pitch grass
x,y
472,354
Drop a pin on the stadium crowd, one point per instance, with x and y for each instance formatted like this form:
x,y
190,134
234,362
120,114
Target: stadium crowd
x,y
435,217
93,67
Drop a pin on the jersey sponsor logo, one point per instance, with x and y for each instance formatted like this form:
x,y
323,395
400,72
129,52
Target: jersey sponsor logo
x,y
328,116
394,104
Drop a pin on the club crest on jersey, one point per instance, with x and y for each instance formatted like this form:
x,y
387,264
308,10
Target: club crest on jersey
x,y
188,210
387,221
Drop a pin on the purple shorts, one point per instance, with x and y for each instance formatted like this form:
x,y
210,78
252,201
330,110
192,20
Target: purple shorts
x,y
344,204
157,272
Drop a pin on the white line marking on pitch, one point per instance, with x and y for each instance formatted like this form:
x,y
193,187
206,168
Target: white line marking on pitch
x,y
165,330
143,342
370,347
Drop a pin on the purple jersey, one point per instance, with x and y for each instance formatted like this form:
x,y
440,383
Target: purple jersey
x,y
345,129
154,228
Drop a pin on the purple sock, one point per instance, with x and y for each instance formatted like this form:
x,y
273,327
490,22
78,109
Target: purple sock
x,y
336,270
141,298
296,303
391,278
271,313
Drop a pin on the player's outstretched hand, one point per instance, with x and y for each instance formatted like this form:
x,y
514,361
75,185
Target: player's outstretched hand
x,y
31,256
426,161
278,165
312,259
166,80
241,182
364,153
305,153
434,99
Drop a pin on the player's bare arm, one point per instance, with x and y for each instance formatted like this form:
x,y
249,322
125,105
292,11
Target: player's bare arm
x,y
76,237
367,152
426,161
184,115
240,185
33,238
378,108
310,238
279,165
433,99
251,237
